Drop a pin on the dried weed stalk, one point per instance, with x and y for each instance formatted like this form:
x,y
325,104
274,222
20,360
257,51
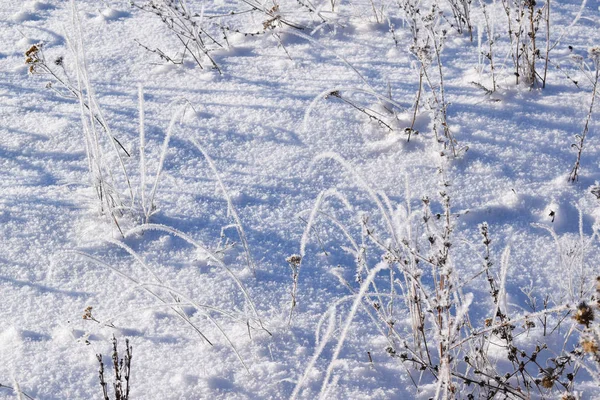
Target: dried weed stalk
x,y
121,370
406,271
594,54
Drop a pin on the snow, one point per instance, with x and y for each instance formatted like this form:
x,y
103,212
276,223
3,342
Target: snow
x,y
264,122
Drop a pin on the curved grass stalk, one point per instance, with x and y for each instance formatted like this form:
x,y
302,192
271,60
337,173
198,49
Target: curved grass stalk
x,y
388,220
163,153
199,246
211,319
357,302
318,351
311,220
140,285
559,251
83,78
145,286
344,231
139,259
230,208
110,321
363,185
315,210
142,150
328,92
136,256
322,341
569,28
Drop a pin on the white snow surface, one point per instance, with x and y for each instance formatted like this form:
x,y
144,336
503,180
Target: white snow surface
x,y
263,121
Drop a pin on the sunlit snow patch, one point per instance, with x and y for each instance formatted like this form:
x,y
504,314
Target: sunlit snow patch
x,y
110,14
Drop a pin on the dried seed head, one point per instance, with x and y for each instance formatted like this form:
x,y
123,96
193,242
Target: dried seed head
x,y
584,314
589,346
294,259
594,53
32,50
389,258
547,381
335,93
529,324
87,313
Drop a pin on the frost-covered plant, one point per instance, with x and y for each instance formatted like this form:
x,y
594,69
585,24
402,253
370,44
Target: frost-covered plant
x,y
527,22
201,32
411,14
592,74
491,38
523,22
414,290
189,28
373,115
110,178
294,262
176,299
106,178
428,37
461,13
105,154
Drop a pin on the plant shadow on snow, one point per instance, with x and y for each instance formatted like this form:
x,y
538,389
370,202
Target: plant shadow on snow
x,y
45,176
48,36
44,288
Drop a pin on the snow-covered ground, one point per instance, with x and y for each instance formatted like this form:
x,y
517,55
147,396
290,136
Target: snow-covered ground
x,y
264,122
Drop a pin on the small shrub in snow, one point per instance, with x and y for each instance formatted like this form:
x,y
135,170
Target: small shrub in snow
x,y
417,296
104,151
461,13
121,370
108,174
188,27
523,20
201,33
592,74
